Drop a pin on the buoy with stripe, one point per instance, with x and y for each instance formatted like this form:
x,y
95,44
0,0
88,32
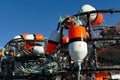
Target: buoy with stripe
x,y
53,42
22,36
95,18
77,43
31,46
38,37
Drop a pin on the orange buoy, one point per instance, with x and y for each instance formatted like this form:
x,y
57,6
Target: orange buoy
x,y
98,20
50,47
22,36
77,45
95,18
29,43
77,32
38,37
102,76
53,42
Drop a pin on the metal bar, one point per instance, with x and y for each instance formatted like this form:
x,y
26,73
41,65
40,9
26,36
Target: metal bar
x,y
97,11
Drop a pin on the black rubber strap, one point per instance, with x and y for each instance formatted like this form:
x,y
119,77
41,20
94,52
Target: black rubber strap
x,y
77,39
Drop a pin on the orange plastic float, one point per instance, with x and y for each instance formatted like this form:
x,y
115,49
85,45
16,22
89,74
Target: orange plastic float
x,y
53,42
95,18
102,76
38,37
22,36
77,45
77,32
98,20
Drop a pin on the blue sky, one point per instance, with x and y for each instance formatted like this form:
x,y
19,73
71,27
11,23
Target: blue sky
x,y
41,16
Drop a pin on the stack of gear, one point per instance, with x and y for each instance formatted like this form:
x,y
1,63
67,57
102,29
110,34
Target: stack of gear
x,y
24,55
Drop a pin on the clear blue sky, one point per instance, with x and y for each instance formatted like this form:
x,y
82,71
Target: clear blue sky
x,y
40,16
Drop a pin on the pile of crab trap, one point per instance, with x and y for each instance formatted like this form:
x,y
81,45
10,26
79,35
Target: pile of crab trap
x,y
102,61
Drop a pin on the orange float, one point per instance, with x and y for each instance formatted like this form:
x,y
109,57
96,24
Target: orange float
x,y
77,32
38,37
53,42
22,36
102,76
95,18
77,45
98,20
